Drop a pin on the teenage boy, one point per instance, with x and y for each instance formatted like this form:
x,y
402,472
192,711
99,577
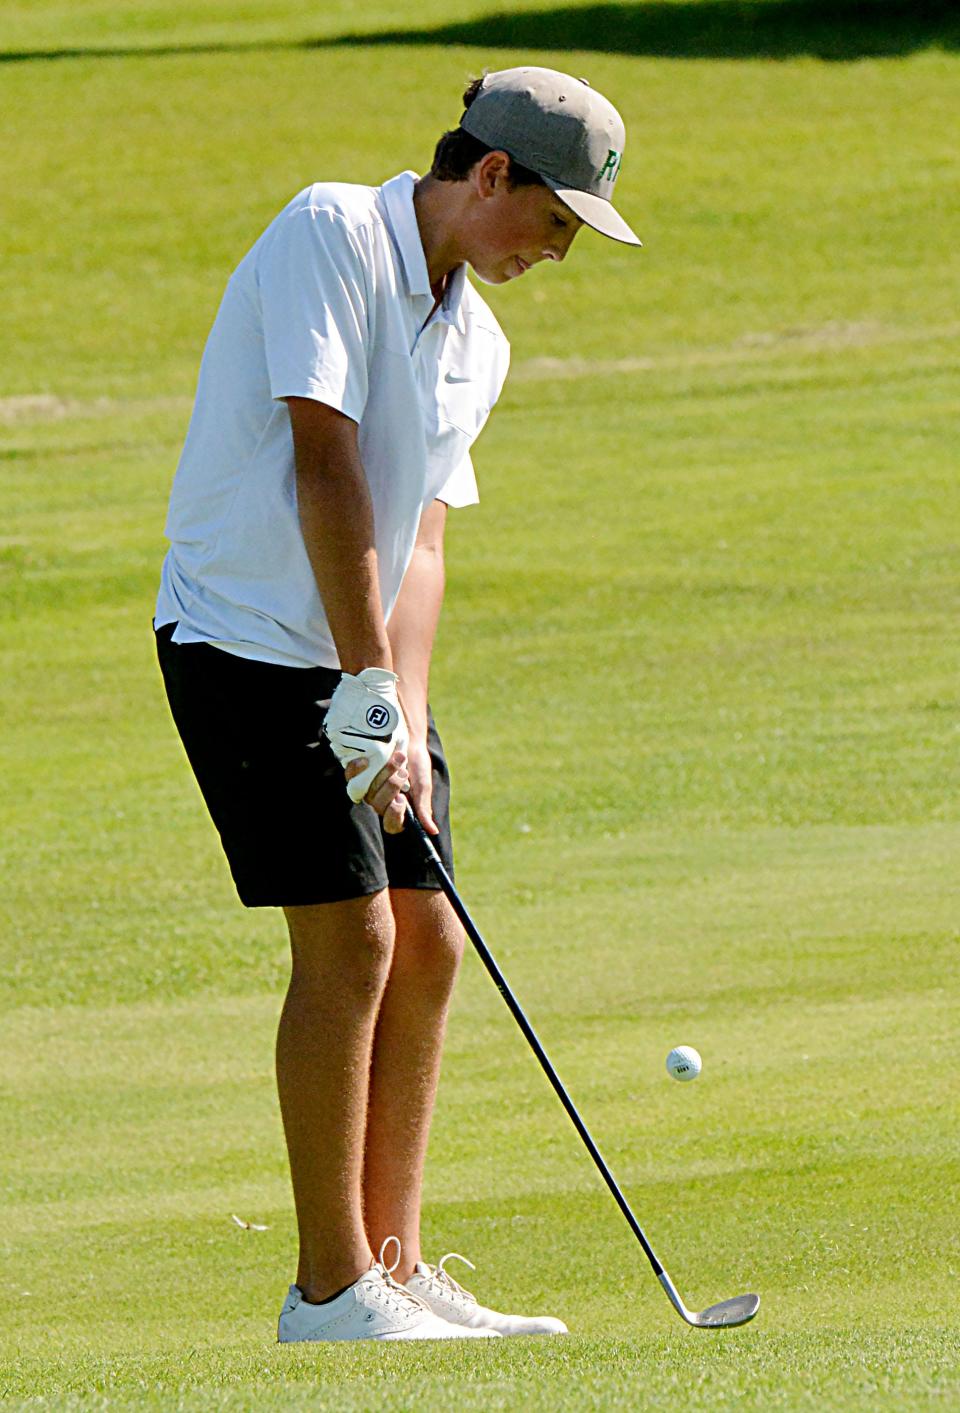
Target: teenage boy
x,y
350,368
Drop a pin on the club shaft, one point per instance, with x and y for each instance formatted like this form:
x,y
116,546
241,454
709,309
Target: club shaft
x,y
499,980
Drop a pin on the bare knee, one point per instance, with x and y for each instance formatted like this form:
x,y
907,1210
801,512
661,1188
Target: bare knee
x,y
346,945
430,940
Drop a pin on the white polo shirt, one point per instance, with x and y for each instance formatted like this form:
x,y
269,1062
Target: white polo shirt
x,y
331,303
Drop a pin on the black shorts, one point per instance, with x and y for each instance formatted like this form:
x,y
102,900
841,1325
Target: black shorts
x,y
289,830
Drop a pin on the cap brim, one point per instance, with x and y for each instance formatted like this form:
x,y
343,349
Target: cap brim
x,y
595,212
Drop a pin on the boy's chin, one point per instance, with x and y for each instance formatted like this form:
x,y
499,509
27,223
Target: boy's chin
x,y
490,277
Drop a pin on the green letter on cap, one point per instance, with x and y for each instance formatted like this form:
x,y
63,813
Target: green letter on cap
x,y
610,167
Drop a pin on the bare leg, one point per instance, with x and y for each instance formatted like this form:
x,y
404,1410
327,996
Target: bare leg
x,y
406,1067
341,956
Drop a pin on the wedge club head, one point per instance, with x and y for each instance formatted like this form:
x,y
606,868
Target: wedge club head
x,y
723,1316
736,1311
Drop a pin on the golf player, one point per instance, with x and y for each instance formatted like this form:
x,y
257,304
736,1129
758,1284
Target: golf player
x,y
348,372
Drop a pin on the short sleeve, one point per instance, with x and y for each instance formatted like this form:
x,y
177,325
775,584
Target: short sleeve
x,y
460,488
313,300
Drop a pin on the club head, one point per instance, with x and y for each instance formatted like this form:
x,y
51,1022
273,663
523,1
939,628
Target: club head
x,y
725,1316
727,1313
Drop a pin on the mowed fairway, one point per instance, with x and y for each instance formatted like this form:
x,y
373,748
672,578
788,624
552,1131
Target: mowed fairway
x,y
698,675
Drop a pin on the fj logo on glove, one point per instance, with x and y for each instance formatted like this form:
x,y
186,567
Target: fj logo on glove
x,y
378,717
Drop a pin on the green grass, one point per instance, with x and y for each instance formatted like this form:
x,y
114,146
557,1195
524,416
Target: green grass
x,y
697,675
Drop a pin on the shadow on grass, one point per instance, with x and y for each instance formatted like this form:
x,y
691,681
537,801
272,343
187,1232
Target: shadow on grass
x,y
687,29
711,29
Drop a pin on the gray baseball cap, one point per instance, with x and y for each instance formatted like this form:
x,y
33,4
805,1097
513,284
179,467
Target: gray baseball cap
x,y
563,130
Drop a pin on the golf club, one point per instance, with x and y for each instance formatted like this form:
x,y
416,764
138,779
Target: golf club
x,y
736,1311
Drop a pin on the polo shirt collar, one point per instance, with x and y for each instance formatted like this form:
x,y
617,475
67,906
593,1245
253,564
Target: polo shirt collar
x,y
397,196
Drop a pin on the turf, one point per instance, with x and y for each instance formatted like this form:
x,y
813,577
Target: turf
x,y
697,676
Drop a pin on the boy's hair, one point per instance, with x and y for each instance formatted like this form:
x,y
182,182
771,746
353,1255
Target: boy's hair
x,y
458,151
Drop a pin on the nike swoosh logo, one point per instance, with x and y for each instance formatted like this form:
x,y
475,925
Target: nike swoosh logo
x,y
457,378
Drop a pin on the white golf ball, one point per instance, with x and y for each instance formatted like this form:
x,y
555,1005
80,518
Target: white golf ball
x,y
684,1063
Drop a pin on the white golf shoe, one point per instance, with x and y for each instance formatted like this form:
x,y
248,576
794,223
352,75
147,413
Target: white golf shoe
x,y
448,1299
374,1307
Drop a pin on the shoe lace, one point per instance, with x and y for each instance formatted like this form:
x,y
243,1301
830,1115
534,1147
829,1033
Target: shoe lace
x,y
441,1277
390,1293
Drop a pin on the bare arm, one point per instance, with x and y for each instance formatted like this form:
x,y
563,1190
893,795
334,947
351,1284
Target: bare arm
x,y
413,622
411,631
336,518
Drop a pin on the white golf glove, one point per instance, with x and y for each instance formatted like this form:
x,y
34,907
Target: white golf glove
x,y
364,719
